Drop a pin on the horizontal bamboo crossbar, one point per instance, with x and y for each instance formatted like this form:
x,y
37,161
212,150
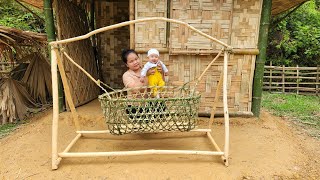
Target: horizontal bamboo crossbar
x,y
126,23
108,132
288,88
289,77
290,68
139,152
208,52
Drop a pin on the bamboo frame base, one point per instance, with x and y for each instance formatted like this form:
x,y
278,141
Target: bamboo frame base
x,y
56,60
67,154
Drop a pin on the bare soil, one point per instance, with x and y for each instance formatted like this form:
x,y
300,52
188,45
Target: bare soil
x,y
268,148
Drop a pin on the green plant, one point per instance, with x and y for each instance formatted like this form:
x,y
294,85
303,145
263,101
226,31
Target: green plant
x,y
296,39
305,109
6,129
15,16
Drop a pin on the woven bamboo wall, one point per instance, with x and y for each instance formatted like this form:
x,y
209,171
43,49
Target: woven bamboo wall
x,y
82,88
210,16
235,22
150,34
245,23
111,42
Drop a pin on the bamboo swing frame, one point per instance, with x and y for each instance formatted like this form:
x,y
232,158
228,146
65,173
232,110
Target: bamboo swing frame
x,y
56,61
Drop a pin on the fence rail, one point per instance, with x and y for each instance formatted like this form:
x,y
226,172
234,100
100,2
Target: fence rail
x,y
300,80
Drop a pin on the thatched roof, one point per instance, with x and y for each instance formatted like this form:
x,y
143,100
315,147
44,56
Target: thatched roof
x,y
35,3
18,40
278,6
10,36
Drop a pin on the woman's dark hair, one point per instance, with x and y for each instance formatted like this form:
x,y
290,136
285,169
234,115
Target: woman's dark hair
x,y
125,53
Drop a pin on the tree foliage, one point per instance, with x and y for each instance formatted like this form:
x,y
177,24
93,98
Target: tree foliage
x,y
15,16
296,39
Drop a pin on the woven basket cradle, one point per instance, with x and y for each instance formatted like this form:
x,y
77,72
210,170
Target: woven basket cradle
x,y
137,111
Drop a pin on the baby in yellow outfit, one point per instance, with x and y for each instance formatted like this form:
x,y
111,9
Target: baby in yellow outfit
x,y
155,79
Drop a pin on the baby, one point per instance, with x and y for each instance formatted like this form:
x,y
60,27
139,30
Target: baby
x,y
155,79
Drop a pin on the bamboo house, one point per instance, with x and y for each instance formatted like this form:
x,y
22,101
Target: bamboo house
x,y
186,54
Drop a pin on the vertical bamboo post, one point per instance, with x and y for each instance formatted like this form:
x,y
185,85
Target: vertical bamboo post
x,y
51,36
55,115
298,79
261,58
131,17
317,80
168,24
283,81
225,106
270,77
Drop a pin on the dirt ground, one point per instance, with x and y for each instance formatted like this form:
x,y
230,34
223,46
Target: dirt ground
x,y
269,148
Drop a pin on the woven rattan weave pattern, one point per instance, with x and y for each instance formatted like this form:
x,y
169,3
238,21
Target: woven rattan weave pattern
x,y
137,111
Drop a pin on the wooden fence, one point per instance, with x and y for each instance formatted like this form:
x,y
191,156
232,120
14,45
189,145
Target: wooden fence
x,y
300,80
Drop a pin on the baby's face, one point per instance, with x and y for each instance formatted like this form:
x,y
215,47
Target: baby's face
x,y
153,58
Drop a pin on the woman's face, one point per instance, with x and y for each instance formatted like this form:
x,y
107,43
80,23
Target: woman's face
x,y
133,62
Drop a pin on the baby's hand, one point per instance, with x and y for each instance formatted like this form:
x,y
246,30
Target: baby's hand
x,y
142,79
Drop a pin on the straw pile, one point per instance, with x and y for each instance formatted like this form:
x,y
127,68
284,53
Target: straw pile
x,y
38,78
15,101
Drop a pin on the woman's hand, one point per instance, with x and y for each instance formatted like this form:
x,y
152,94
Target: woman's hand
x,y
159,67
151,71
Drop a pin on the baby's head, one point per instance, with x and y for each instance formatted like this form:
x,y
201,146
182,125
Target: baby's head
x,y
153,55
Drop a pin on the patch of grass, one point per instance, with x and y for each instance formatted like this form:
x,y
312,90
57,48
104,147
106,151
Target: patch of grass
x,y
305,109
7,128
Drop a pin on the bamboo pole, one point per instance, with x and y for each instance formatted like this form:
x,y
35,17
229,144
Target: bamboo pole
x,y
317,81
209,65
138,21
140,152
283,79
51,36
213,142
216,100
225,107
297,79
72,143
168,28
202,52
261,58
144,50
131,17
67,92
86,73
55,115
108,132
270,79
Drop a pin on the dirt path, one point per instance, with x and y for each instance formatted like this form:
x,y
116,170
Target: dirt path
x,y
269,149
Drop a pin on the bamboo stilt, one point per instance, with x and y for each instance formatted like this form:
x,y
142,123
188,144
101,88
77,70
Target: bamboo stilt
x,y
55,116
225,107
67,91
